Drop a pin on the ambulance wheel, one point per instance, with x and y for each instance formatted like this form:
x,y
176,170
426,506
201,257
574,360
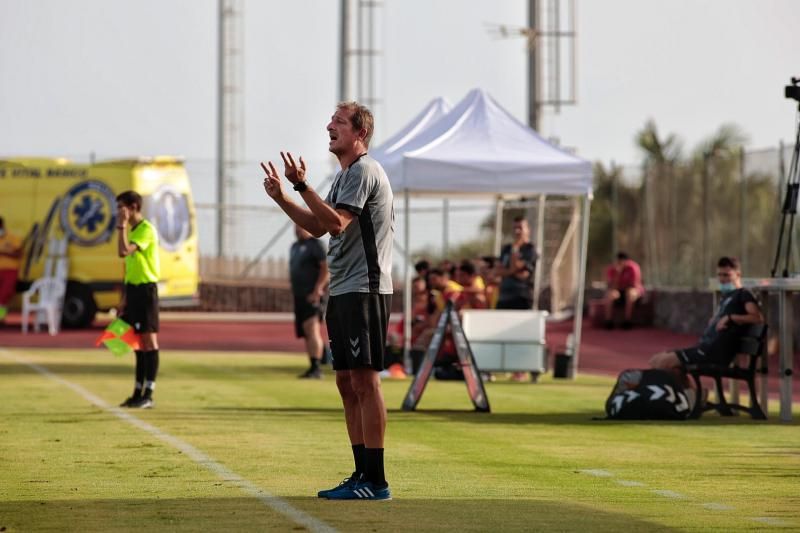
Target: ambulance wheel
x,y
79,306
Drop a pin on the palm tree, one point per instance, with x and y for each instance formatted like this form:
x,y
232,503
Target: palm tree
x,y
659,199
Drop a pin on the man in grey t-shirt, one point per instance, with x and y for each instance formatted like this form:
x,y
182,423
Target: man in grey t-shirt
x,y
358,214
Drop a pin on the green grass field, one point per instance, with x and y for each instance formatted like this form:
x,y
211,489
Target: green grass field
x,y
237,442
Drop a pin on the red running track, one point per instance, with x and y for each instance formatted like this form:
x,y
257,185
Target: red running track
x,y
602,351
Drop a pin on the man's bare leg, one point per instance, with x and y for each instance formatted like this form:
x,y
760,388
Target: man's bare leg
x,y
669,361
352,407
313,337
367,385
314,346
612,295
352,418
631,295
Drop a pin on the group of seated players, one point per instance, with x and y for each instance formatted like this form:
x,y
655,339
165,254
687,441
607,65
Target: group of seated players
x,y
469,284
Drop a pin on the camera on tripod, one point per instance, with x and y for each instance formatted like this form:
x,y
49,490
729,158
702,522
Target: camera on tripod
x,y
793,91
792,192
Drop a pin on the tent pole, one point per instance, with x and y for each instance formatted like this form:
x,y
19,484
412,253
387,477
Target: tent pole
x,y
445,228
498,225
576,330
407,284
537,275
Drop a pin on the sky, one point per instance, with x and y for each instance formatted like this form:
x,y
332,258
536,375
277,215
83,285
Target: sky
x,y
123,77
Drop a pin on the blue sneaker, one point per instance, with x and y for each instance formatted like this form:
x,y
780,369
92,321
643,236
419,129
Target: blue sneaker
x,y
346,483
363,490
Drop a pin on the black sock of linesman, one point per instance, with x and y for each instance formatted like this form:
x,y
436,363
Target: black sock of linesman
x,y
139,385
360,458
375,474
151,371
314,363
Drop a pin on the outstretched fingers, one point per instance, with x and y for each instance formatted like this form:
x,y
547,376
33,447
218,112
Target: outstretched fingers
x,y
286,161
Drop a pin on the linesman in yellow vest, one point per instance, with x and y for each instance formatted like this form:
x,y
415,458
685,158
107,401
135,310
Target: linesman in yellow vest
x,y
139,306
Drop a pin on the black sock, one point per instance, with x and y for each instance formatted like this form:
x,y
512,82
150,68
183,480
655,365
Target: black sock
x,y
151,365
137,390
360,458
151,371
374,472
314,363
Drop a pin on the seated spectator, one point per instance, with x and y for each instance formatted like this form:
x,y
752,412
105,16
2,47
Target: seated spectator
x,y
443,288
10,253
420,322
474,294
488,270
719,343
624,279
422,267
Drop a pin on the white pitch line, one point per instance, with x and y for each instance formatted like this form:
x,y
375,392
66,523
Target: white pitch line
x,y
273,502
770,520
627,483
669,494
597,473
711,506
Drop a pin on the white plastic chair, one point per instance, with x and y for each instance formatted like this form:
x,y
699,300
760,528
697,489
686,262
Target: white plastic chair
x,y
45,296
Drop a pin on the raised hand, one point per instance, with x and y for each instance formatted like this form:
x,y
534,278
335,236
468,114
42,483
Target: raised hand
x,y
292,172
272,183
123,215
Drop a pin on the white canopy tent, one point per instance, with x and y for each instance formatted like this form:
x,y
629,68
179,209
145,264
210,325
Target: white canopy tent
x,y
392,149
479,149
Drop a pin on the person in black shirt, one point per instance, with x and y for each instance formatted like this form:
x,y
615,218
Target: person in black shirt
x,y
719,342
517,264
308,271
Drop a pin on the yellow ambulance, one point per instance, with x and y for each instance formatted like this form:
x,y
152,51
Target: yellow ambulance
x,y
43,199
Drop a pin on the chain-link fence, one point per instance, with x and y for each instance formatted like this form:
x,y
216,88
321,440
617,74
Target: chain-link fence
x,y
677,217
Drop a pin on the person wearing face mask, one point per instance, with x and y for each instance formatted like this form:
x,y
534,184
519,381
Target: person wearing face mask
x,y
719,342
10,253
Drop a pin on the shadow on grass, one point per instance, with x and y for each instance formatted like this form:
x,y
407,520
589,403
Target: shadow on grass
x,y
249,514
474,417
589,417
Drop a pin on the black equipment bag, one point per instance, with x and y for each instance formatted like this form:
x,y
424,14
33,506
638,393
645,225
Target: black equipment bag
x,y
648,395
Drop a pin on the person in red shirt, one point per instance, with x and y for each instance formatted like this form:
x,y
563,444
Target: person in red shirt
x,y
624,279
10,253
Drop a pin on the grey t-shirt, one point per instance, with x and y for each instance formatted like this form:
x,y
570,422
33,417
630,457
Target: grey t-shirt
x,y
360,258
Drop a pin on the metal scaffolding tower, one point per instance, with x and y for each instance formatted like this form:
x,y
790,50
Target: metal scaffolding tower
x,y
551,37
360,72
230,114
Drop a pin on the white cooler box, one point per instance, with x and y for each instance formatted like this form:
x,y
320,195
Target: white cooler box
x,y
504,340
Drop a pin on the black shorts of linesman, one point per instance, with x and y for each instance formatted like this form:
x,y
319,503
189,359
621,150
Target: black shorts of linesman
x,y
358,214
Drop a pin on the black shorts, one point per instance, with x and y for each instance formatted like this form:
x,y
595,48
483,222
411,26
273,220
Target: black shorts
x,y
303,310
720,352
141,307
357,324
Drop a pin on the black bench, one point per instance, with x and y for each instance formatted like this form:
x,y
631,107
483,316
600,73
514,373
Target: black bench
x,y
753,345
